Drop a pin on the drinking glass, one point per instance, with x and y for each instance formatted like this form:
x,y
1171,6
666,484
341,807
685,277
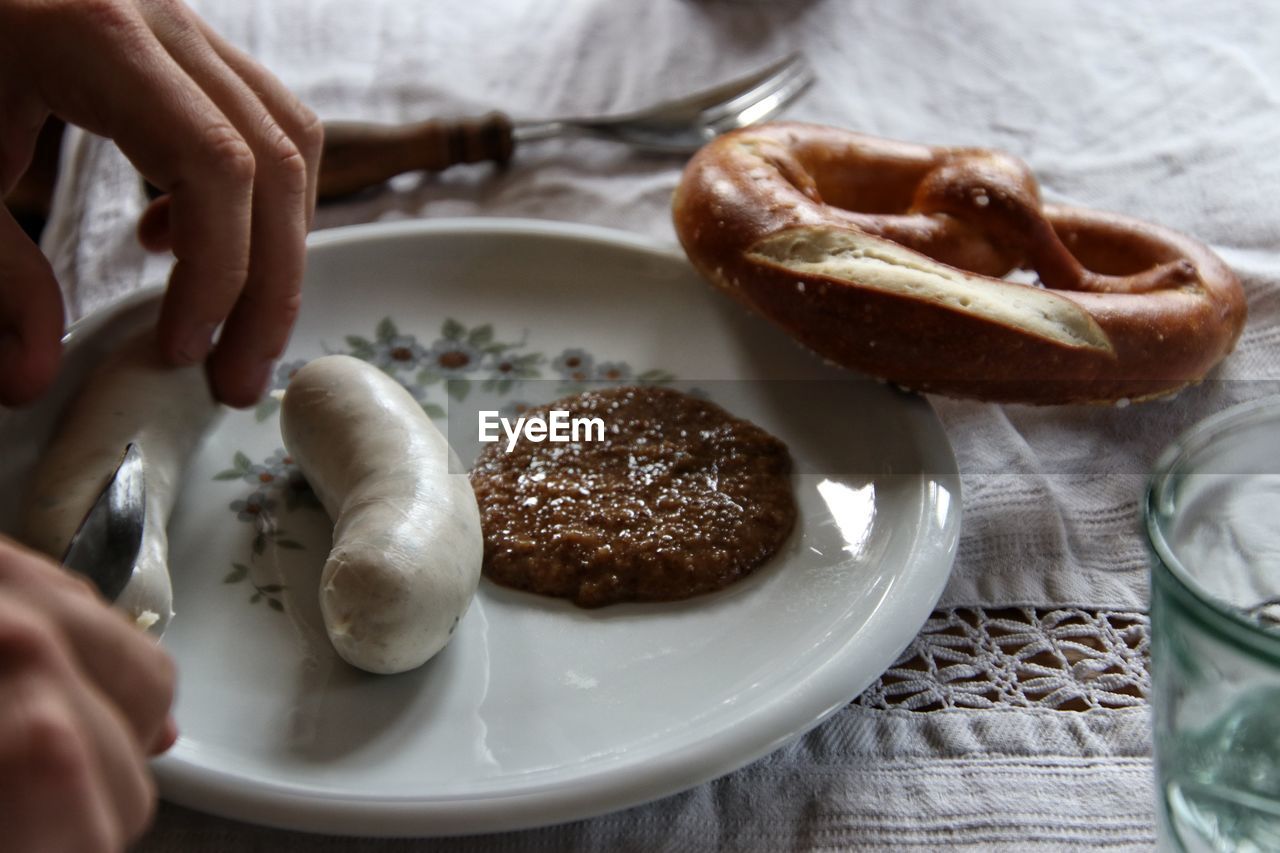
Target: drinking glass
x,y
1212,518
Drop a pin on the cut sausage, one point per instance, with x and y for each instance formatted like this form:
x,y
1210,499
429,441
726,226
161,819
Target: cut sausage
x,y
133,397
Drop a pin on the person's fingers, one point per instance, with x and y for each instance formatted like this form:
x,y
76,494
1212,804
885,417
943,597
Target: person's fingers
x,y
254,336
51,790
238,157
24,115
119,759
123,661
50,797
167,738
199,158
153,226
31,316
298,120
258,327
84,676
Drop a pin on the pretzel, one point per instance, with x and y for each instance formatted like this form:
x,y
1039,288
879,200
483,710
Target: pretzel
x,y
886,257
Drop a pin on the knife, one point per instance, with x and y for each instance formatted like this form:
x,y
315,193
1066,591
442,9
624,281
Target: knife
x,y
105,547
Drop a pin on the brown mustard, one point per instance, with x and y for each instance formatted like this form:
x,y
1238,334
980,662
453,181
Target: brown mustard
x,y
679,498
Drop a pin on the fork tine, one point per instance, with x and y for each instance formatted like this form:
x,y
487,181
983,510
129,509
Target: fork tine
x,y
706,99
684,125
763,100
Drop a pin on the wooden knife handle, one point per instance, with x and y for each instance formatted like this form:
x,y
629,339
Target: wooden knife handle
x,y
359,155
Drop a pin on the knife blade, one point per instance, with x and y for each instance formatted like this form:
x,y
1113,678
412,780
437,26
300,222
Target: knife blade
x,y
105,547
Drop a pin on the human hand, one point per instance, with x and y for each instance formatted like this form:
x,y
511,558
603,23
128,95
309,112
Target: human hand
x,y
84,700
235,153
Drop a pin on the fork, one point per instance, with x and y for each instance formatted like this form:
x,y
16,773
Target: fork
x,y
359,155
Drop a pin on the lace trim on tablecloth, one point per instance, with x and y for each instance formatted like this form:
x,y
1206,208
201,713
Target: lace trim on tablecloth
x,y
1066,659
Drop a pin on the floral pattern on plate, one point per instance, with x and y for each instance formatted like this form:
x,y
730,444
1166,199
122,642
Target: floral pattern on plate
x,y
448,367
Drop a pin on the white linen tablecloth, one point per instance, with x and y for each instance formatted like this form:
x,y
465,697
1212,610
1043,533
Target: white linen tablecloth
x,y
1018,720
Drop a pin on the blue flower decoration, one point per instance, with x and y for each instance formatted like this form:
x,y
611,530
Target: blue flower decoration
x,y
417,391
399,352
285,371
280,460
508,367
514,409
574,364
613,371
275,469
453,358
254,508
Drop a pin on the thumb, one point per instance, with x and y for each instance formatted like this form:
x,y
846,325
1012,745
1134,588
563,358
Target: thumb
x,y
31,322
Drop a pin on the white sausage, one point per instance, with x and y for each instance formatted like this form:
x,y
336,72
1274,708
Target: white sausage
x,y
131,397
407,546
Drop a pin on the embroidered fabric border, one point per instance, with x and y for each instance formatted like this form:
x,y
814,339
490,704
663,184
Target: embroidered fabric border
x,y
1066,659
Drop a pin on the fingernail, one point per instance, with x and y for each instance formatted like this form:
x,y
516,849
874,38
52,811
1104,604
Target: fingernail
x,y
195,347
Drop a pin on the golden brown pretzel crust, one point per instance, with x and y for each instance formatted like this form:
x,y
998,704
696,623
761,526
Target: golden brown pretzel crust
x,y
885,257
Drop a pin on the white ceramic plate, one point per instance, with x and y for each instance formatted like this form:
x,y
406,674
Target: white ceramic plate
x,y
538,712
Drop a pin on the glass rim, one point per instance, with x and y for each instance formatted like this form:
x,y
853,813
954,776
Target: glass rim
x,y
1212,612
